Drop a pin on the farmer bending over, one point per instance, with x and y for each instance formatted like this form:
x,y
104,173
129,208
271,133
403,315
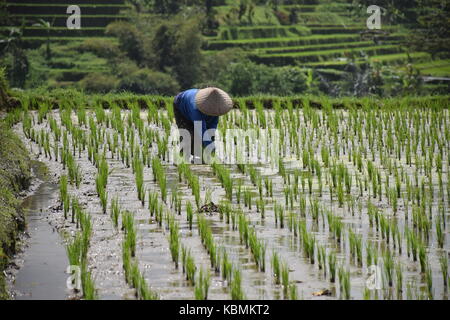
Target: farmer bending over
x,y
198,111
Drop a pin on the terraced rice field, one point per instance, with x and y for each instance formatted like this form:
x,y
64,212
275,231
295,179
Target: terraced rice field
x,y
354,206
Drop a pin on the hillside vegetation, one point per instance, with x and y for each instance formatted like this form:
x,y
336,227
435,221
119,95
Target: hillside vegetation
x,y
160,47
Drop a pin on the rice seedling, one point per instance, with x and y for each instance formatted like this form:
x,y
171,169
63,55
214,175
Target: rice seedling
x,y
321,257
202,285
139,178
355,246
293,223
190,214
293,292
315,208
366,294
143,292
258,249
261,207
207,238
335,225
87,283
276,267
190,268
399,280
388,265
130,232
439,233
64,195
269,187
153,203
371,254
443,261
227,267
101,181
248,198
75,209
174,241
115,212
429,281
344,283
236,285
74,250
413,243
332,266
159,175
103,199
225,179
310,183
423,258
340,195
239,191
234,215
279,215
285,279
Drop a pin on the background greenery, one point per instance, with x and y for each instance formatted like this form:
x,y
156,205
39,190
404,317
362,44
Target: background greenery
x,y
276,47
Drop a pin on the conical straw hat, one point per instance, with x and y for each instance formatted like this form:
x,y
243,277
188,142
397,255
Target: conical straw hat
x,y
213,102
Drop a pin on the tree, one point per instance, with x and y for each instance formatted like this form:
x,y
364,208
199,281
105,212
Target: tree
x,y
14,57
177,48
399,11
427,21
130,39
146,81
211,21
163,45
48,27
187,52
248,78
166,7
431,33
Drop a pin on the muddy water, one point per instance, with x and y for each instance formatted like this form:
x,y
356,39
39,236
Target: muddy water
x,y
42,276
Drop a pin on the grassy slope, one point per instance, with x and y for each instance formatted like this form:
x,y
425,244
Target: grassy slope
x,y
14,176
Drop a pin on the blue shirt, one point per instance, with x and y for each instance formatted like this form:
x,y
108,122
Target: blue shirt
x,y
188,108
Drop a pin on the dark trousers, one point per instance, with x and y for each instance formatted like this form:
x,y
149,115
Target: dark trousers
x,y
184,123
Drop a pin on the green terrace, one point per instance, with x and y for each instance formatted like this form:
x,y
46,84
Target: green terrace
x,y
397,58
95,16
54,32
33,42
438,68
55,8
66,3
332,46
322,55
63,67
257,32
291,41
252,32
60,20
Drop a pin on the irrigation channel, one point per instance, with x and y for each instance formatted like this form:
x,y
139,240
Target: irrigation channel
x,y
43,260
357,207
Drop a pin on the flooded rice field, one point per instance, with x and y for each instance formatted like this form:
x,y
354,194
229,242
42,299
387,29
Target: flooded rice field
x,y
356,206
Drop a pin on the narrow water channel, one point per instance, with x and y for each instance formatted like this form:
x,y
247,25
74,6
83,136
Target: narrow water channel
x,y
42,276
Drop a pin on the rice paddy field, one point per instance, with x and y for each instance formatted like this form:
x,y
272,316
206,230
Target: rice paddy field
x,y
353,206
